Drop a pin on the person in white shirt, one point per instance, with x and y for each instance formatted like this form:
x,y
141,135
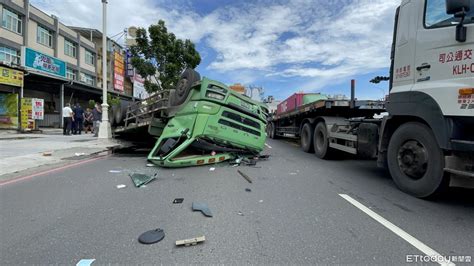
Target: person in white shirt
x,y
68,116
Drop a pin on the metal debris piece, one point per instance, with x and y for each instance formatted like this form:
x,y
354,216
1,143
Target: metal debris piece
x,y
47,153
268,146
191,241
202,207
79,154
141,179
263,157
152,236
150,165
115,171
212,169
240,213
245,176
178,201
248,190
121,186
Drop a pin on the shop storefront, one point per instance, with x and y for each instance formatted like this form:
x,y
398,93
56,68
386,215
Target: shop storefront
x,y
11,82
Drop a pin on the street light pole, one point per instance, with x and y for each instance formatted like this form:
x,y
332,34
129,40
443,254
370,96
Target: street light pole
x,y
105,132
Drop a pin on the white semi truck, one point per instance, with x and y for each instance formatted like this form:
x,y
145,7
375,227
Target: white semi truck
x,y
427,138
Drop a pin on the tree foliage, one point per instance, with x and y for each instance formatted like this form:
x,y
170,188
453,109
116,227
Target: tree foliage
x,y
161,55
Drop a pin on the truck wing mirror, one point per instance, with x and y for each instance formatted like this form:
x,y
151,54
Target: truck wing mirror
x,y
459,9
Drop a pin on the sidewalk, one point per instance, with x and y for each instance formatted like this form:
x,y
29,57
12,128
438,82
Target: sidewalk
x,y
20,152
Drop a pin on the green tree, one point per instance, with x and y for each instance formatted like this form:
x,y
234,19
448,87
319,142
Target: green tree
x,y
160,55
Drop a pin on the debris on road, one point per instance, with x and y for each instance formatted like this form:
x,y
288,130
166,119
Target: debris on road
x,y
152,236
85,262
202,207
47,153
191,241
115,171
121,186
263,157
178,200
260,201
248,190
150,165
212,169
79,154
268,146
245,176
240,213
293,174
140,179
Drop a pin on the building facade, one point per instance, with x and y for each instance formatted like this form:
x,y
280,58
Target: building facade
x,y
60,65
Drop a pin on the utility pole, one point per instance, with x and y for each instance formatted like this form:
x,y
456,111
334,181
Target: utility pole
x,y
105,132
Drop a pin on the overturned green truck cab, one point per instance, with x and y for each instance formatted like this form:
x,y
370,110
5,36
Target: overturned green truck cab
x,y
212,124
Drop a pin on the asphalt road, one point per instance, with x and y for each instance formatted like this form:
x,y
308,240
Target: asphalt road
x,y
294,214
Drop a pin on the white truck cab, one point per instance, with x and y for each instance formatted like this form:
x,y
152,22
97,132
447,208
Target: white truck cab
x,y
429,135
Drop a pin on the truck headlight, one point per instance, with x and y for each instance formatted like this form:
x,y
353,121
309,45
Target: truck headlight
x,y
214,95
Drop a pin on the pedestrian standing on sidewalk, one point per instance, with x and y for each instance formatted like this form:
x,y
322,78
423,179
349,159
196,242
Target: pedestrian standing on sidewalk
x,y
96,119
78,118
88,121
67,119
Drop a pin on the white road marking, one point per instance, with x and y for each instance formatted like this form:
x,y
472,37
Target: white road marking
x,y
85,262
268,146
397,230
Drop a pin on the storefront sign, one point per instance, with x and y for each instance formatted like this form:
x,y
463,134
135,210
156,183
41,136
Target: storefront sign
x,y
37,109
27,121
8,111
11,77
129,71
44,63
118,71
139,87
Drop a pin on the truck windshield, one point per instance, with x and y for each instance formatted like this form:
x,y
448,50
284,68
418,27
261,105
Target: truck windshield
x,y
435,15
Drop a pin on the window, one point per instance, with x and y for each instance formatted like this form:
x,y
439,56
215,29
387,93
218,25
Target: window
x,y
44,36
11,21
89,58
435,15
69,48
88,79
9,55
70,73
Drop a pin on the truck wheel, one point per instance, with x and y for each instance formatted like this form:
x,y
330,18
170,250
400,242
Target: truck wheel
x,y
321,141
416,162
307,133
188,77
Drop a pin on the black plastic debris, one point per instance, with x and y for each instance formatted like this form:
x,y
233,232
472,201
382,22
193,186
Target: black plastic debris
x,y
202,207
141,179
152,236
178,201
245,176
263,157
248,190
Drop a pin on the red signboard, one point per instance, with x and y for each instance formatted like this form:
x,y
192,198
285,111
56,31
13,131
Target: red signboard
x,y
118,71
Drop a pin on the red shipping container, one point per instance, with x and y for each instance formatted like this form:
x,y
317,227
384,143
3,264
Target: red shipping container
x,y
291,103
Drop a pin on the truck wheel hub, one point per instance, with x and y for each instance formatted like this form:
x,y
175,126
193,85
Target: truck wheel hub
x,y
413,159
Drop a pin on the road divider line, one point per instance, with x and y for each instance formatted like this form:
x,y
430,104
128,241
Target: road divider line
x,y
14,180
398,231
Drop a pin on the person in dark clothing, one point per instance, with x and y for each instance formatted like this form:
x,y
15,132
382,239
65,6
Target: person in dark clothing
x,y
78,118
96,119
88,121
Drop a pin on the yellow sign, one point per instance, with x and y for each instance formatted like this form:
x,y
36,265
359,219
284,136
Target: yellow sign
x,y
8,111
27,121
11,77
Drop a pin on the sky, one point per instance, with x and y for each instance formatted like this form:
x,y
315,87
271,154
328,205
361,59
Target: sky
x,y
284,46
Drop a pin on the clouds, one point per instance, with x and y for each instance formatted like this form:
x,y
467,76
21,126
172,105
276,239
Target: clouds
x,y
317,41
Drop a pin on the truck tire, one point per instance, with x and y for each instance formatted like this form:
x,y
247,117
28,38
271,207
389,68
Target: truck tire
x,y
416,162
307,133
321,141
188,77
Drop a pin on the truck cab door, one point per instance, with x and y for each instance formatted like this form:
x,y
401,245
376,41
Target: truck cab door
x,y
405,46
444,65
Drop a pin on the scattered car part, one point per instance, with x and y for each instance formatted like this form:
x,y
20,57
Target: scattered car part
x,y
178,200
141,179
202,207
121,186
191,241
245,176
152,236
115,171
